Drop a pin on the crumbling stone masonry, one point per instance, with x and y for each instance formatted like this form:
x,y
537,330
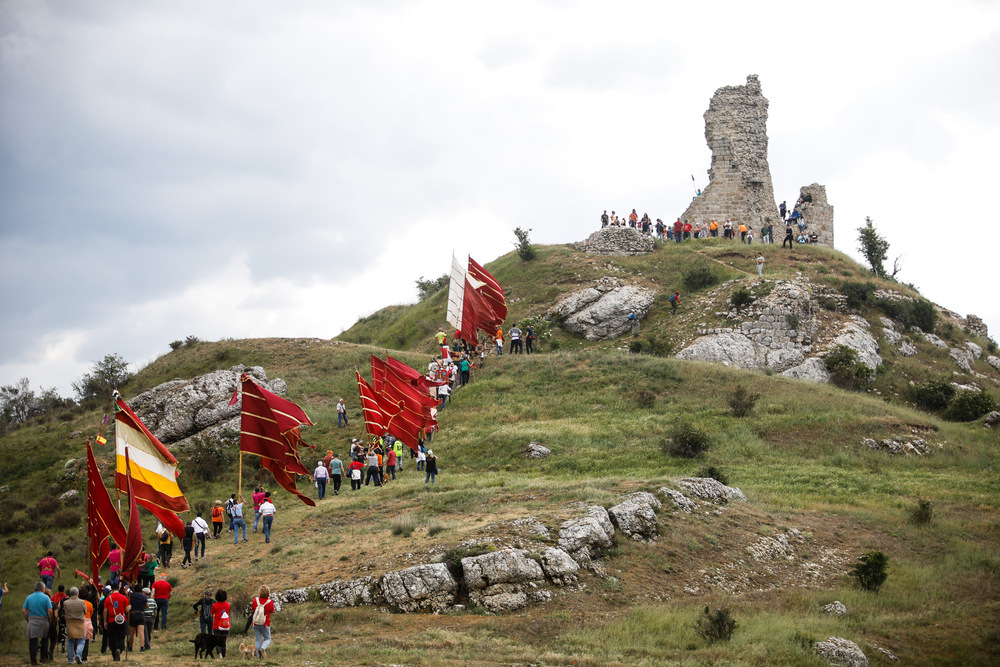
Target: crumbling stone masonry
x,y
739,186
818,213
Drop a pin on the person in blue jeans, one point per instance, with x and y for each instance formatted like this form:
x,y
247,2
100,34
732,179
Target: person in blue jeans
x,y
431,466
267,511
238,521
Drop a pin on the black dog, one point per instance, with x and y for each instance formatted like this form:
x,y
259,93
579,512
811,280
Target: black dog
x,y
205,644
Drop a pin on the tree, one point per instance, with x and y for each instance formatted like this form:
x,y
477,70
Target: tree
x,y
19,402
873,247
428,288
525,250
104,377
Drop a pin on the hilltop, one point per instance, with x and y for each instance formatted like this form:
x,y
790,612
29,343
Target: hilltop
x,y
817,497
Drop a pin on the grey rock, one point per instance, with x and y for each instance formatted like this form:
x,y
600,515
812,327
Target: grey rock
x,y
887,323
428,587
892,336
962,358
836,608
888,655
771,548
858,339
917,446
70,495
292,596
179,409
620,241
841,652
934,340
976,351
635,518
349,593
71,463
812,369
907,349
500,598
644,497
993,361
500,567
601,312
578,537
559,567
991,419
682,502
536,451
711,490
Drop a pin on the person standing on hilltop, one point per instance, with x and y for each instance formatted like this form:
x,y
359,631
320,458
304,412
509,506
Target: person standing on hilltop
x,y
431,466
789,236
743,233
686,228
499,340
515,339
633,218
604,219
782,209
678,230
529,343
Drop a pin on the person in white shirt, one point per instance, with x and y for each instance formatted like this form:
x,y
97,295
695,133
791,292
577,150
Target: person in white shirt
x,y
267,511
321,475
201,534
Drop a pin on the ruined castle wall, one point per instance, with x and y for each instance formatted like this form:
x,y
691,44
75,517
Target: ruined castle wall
x,y
739,187
817,213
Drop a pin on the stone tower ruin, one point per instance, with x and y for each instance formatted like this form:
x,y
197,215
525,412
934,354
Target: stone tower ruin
x,y
817,212
739,187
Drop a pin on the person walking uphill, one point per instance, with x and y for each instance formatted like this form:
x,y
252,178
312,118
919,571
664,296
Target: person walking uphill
x,y
267,510
341,414
675,300
321,475
48,569
75,612
37,611
431,466
161,593
262,607
238,522
221,621
217,513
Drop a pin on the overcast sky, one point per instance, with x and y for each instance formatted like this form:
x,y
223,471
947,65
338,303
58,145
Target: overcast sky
x,y
232,170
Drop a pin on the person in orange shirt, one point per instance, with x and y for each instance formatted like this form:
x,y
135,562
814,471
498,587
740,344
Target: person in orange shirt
x,y
217,513
743,233
713,227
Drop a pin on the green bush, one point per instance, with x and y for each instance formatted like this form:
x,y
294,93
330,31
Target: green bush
x,y
858,294
686,441
922,513
742,401
651,345
968,406
932,394
828,302
847,371
741,297
916,313
717,626
871,570
714,473
699,277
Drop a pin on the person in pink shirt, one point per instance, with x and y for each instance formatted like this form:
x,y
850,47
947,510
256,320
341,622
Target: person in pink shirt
x,y
115,562
258,498
48,568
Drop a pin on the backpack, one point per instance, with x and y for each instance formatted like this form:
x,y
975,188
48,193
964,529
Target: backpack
x,y
259,615
224,621
673,298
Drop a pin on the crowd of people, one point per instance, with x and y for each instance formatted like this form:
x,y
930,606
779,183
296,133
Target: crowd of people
x,y
682,230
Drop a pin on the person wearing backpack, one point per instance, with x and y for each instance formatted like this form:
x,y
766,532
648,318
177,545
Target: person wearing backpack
x,y
205,613
221,621
675,299
262,607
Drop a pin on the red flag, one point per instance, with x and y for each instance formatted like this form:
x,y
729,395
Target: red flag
x,y
132,556
154,470
102,519
269,428
491,291
411,375
375,419
409,407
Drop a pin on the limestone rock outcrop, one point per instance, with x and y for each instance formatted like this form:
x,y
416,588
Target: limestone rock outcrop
x,y
600,312
348,593
739,187
711,490
592,531
430,587
536,451
682,502
841,652
559,567
855,335
835,608
635,517
812,369
509,566
179,409
620,241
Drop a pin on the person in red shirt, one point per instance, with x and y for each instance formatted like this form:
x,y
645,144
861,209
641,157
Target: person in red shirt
x,y
116,610
220,620
390,463
262,632
356,465
161,594
48,569
687,230
678,230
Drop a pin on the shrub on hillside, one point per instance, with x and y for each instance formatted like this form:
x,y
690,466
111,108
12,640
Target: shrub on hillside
x,y
846,371
858,293
427,288
922,512
713,472
525,250
828,302
968,406
916,313
742,401
717,626
66,518
932,394
871,570
176,344
699,277
652,345
212,457
686,441
741,297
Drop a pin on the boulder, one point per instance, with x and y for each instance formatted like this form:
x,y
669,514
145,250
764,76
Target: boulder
x,y
976,351
635,518
962,358
907,349
711,490
536,451
812,369
891,336
916,446
835,608
682,502
349,593
771,548
592,531
934,340
509,566
182,408
69,496
993,361
429,587
856,337
841,652
500,598
644,497
620,241
601,312
991,419
559,567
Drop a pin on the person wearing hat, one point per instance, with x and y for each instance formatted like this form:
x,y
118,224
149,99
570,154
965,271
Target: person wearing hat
x,y
217,513
341,414
431,466
148,614
321,475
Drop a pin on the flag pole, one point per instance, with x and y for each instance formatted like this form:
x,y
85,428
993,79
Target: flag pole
x,y
239,488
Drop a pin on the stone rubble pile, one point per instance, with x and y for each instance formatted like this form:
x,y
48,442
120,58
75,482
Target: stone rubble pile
x,y
620,241
916,446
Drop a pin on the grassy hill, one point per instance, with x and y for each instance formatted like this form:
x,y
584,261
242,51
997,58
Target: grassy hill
x,y
608,417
